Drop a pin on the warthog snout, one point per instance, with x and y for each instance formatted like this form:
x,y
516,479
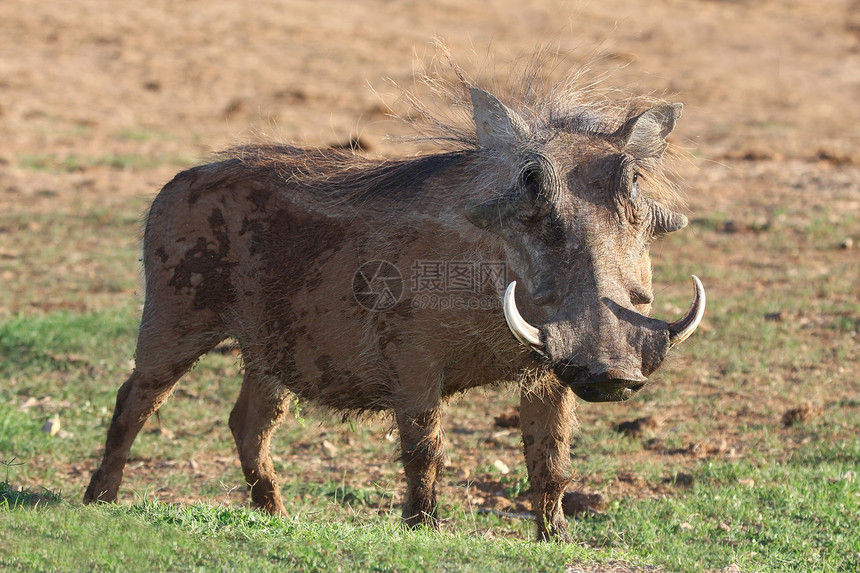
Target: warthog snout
x,y
638,344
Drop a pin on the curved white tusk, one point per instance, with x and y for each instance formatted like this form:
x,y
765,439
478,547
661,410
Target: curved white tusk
x,y
522,330
681,329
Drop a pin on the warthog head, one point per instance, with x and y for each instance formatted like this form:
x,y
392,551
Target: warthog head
x,y
577,220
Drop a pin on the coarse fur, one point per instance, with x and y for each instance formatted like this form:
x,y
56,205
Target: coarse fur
x,y
281,247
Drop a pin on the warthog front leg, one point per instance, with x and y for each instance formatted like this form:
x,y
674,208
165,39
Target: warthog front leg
x,y
546,419
422,454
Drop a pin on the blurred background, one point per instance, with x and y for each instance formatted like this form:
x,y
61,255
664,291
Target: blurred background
x,y
103,101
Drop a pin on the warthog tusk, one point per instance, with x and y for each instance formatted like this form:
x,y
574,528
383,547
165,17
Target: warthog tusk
x,y
522,330
680,330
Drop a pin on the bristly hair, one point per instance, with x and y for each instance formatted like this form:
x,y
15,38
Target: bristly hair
x,y
576,103
527,88
548,93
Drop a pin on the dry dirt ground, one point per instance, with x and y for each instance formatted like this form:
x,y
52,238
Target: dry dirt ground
x,y
102,101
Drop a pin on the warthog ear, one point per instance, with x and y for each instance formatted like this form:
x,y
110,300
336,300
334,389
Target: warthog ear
x,y
497,126
645,135
491,214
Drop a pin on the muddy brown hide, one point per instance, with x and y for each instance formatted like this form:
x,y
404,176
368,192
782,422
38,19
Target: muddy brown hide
x,y
264,246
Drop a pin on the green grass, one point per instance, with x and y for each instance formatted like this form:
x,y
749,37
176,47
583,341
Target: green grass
x,y
37,342
151,536
799,515
12,497
795,516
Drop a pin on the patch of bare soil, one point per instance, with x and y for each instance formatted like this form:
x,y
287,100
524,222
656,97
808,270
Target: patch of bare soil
x,y
611,567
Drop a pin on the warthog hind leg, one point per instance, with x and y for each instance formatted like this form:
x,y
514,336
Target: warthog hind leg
x,y
254,418
161,359
422,454
546,419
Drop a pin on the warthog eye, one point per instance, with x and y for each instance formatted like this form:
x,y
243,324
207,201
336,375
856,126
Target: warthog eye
x,y
634,187
531,180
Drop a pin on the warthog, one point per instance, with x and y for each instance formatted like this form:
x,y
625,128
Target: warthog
x,y
558,198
